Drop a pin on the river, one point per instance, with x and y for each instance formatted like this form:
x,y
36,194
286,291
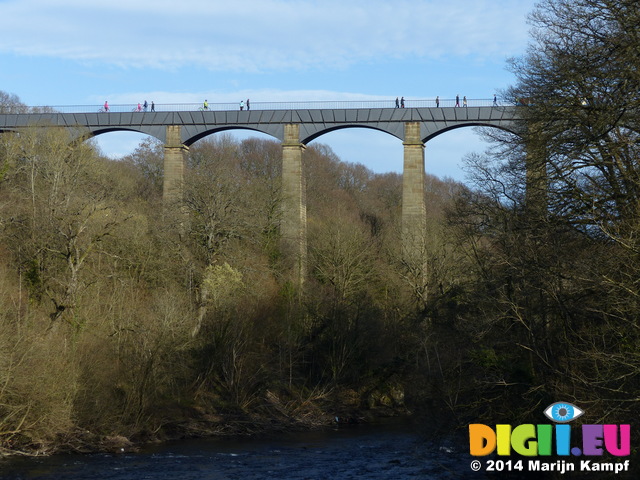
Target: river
x,y
389,451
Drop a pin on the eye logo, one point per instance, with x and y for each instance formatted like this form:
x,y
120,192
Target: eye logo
x,y
562,412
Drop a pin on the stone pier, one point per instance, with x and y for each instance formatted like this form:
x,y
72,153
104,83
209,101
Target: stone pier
x,y
174,159
294,204
413,204
536,183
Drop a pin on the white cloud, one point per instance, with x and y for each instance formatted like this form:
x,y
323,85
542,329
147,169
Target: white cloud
x,y
271,35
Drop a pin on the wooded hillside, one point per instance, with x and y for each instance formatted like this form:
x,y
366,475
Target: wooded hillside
x,y
122,316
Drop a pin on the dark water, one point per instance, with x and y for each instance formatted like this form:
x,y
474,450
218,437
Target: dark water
x,y
350,452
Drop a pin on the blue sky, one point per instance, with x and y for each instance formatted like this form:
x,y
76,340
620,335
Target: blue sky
x,y
72,52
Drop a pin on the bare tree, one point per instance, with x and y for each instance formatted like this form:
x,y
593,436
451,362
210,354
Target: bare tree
x,y
10,103
561,277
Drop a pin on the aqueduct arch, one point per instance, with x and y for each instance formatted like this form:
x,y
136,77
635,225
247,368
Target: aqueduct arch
x,y
177,130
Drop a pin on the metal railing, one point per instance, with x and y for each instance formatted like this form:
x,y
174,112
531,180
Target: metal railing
x,y
300,105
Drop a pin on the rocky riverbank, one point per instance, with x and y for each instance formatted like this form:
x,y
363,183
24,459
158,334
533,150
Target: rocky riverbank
x,y
274,414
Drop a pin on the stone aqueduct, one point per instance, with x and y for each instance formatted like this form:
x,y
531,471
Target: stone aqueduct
x,y
294,128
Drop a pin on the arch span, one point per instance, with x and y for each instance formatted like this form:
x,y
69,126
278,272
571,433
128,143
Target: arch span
x,y
101,131
499,126
205,133
334,128
158,132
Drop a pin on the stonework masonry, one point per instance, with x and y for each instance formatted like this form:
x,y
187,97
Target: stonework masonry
x,y
413,203
174,158
294,204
